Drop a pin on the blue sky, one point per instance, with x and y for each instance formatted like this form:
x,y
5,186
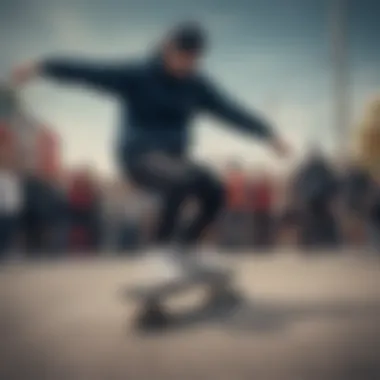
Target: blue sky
x,y
274,55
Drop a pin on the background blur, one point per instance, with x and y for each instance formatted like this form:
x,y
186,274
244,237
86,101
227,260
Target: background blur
x,y
310,66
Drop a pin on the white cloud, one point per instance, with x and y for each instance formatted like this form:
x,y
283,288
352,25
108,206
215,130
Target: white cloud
x,y
74,33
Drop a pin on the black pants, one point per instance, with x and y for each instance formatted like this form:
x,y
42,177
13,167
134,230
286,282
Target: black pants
x,y
319,228
34,233
7,231
263,231
88,220
176,180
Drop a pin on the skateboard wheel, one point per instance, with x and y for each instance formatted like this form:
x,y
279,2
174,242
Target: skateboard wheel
x,y
153,317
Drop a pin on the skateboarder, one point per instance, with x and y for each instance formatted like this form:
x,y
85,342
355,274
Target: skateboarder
x,y
159,97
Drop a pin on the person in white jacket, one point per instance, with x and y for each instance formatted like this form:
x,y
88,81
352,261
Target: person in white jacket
x,y
10,202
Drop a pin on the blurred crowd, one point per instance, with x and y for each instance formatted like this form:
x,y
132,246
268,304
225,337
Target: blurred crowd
x,y
320,205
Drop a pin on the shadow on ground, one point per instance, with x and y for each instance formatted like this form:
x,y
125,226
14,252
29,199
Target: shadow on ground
x,y
263,316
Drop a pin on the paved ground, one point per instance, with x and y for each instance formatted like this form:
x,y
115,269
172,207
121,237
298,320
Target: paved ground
x,y
312,318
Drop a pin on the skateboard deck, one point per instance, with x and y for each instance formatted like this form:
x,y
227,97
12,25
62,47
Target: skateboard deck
x,y
164,289
153,314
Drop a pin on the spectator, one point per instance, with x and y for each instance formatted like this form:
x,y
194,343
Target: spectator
x,y
33,220
57,215
357,192
10,201
84,213
316,188
287,230
374,219
262,205
235,223
110,212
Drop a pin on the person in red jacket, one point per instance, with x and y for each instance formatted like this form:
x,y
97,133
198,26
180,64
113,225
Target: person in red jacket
x,y
83,205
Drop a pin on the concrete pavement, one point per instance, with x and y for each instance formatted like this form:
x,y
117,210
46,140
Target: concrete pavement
x,y
308,318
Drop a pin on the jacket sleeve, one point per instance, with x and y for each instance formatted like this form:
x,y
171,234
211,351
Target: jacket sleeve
x,y
217,103
112,78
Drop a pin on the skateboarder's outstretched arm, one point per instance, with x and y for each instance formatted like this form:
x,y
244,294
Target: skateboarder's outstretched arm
x,y
108,77
217,103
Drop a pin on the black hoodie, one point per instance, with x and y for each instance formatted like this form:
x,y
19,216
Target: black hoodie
x,y
156,107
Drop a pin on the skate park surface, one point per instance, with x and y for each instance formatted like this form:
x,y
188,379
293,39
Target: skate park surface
x,y
307,317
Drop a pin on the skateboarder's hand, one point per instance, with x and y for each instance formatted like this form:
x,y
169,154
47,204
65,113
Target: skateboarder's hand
x,y
21,75
280,147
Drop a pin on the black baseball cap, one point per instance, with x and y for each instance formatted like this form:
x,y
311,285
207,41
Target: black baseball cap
x,y
189,37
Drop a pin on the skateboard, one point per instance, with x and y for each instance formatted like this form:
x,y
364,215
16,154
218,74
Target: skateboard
x,y
152,313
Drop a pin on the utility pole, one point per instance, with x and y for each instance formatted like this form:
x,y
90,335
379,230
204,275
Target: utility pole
x,y
338,13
